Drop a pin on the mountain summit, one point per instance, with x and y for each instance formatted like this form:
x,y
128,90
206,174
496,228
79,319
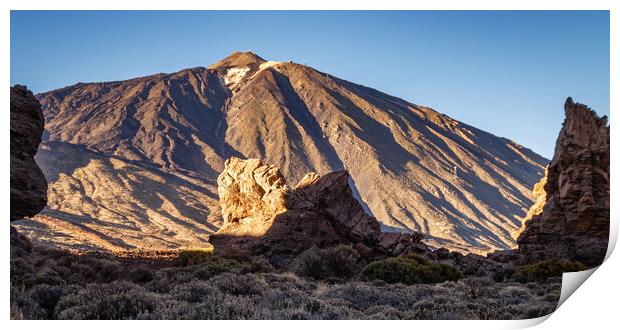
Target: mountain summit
x,y
237,60
133,164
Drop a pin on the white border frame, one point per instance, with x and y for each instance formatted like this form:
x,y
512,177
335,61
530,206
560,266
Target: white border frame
x,y
593,306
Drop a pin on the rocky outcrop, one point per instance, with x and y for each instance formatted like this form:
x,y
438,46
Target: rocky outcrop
x,y
250,194
28,185
571,217
262,214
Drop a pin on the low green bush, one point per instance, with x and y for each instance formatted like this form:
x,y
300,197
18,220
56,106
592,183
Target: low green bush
x,y
205,270
193,256
543,270
409,270
217,266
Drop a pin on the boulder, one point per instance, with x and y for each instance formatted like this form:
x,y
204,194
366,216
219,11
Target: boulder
x,y
262,214
330,195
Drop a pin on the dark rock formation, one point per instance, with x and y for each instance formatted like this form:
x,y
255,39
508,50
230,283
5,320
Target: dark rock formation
x,y
264,215
571,217
28,185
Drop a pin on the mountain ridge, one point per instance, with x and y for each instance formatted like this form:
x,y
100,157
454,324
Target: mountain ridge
x,y
401,156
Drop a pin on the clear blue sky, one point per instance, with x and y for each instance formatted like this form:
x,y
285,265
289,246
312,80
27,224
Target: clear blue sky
x,y
505,72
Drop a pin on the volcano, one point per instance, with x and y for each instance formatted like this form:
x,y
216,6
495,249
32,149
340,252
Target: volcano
x,y
133,164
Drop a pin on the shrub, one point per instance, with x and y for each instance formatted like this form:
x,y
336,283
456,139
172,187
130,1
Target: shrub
x,y
235,308
44,276
338,262
240,285
543,270
141,275
257,265
26,309
46,297
88,268
23,307
194,256
504,273
409,270
107,270
204,271
363,295
194,292
286,285
178,310
341,261
312,264
113,301
236,253
382,312
217,266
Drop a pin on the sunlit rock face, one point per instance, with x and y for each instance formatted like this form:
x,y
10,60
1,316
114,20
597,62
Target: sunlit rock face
x,y
251,194
28,185
263,215
571,217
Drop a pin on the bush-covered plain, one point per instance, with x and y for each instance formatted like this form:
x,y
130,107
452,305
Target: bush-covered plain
x,y
56,285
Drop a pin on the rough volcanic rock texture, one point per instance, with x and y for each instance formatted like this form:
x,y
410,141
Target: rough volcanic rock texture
x,y
264,215
28,185
571,219
400,156
249,189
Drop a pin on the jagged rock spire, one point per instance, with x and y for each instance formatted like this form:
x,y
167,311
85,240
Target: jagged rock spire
x,y
571,220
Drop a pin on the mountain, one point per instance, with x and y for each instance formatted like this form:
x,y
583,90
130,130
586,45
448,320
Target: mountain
x,y
133,164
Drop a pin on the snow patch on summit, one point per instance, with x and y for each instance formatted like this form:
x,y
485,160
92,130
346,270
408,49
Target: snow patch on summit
x,y
234,75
